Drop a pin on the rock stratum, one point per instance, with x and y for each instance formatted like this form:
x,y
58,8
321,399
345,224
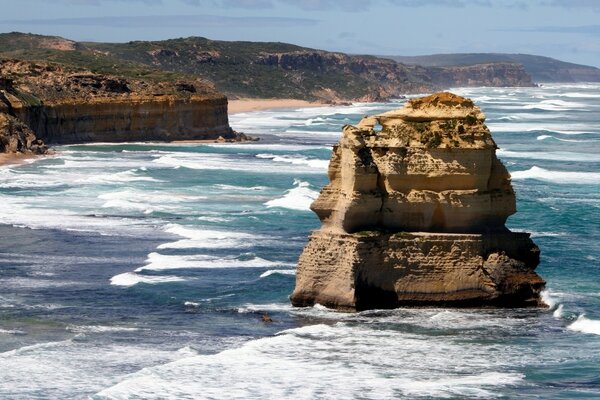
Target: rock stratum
x,y
66,105
414,215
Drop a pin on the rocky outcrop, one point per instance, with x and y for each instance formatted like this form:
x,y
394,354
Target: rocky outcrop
x,y
62,105
415,214
16,137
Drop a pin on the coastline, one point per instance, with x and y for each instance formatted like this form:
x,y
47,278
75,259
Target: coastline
x,y
237,106
15,158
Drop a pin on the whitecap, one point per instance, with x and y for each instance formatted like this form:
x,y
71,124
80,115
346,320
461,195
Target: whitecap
x,y
585,325
100,328
562,177
278,271
131,278
552,156
296,160
549,299
160,262
323,361
206,238
297,198
559,312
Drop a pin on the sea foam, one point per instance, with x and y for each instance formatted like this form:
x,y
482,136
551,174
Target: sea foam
x,y
562,177
585,325
298,198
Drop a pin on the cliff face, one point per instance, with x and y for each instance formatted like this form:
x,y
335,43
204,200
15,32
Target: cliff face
x,y
65,106
493,74
414,214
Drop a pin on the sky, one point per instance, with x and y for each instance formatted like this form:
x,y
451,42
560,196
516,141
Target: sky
x,y
565,29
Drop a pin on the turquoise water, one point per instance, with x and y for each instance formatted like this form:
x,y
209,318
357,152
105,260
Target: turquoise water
x,y
143,270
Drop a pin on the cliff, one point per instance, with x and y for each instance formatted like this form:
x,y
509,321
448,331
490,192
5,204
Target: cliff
x,y
541,69
67,105
258,69
415,214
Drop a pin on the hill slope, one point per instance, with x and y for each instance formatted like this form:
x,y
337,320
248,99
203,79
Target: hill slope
x,y
541,69
257,69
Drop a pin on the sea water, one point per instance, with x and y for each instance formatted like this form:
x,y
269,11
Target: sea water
x,y
142,270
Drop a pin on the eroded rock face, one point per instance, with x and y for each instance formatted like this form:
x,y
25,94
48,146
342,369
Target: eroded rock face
x,y
415,214
16,137
65,106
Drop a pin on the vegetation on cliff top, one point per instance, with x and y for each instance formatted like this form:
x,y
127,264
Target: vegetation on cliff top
x,y
251,69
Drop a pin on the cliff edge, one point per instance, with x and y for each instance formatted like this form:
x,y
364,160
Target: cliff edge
x,y
67,105
415,214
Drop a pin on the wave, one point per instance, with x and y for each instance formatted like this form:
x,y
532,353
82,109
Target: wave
x,y
544,137
161,262
205,238
559,312
555,105
323,361
128,279
585,325
561,177
216,162
278,271
298,198
549,299
99,329
12,332
553,156
296,160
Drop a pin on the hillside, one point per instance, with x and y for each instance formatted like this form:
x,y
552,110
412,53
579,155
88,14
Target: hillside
x,y
259,69
541,69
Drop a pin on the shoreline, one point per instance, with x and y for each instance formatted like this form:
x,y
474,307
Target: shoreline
x,y
7,159
237,106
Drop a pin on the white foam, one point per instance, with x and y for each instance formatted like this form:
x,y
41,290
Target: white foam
x,y
585,325
549,299
161,262
298,198
100,328
559,312
553,156
206,238
12,332
230,162
131,278
562,177
278,271
296,160
544,137
323,361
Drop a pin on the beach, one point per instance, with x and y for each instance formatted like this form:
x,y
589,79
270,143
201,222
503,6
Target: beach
x,y
237,106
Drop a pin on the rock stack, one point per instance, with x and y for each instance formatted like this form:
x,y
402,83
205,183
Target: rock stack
x,y
415,214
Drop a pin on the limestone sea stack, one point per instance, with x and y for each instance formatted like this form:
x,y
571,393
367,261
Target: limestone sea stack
x,y
414,215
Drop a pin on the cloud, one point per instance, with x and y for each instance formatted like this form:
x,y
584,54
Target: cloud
x,y
171,21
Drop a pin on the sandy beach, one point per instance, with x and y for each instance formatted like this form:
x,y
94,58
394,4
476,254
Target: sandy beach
x,y
14,158
246,105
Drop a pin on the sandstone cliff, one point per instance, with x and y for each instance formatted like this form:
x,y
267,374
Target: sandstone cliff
x,y
415,214
64,105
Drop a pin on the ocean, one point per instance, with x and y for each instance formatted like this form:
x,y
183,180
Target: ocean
x,y
143,270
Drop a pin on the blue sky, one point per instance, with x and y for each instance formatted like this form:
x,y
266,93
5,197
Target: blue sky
x,y
565,29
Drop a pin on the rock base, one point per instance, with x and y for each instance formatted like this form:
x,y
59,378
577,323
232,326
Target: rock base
x,y
371,269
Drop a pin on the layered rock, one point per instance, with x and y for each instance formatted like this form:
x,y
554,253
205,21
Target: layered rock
x,y
415,214
62,105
